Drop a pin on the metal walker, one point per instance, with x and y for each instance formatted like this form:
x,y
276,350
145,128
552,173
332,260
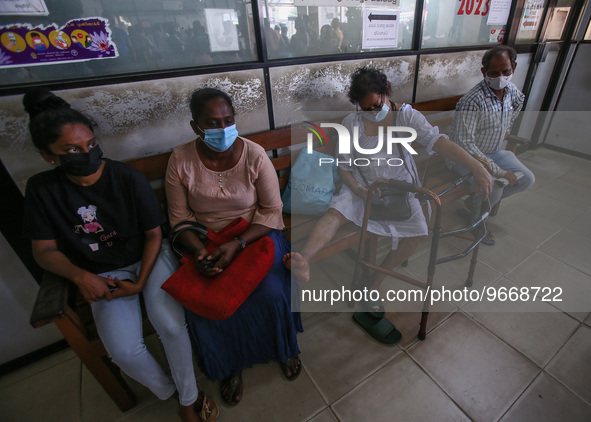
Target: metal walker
x,y
423,194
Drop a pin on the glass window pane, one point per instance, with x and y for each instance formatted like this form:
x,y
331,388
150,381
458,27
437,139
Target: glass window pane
x,y
558,19
150,35
588,33
296,28
531,20
323,86
462,22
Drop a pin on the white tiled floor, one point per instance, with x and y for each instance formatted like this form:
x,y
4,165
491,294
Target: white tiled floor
x,y
507,365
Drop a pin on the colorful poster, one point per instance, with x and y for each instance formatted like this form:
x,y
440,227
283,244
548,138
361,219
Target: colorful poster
x,y
79,40
23,7
532,15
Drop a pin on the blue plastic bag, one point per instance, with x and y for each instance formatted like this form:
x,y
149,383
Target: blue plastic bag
x,y
311,186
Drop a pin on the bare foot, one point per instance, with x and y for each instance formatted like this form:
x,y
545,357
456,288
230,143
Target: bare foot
x,y
231,389
298,265
292,368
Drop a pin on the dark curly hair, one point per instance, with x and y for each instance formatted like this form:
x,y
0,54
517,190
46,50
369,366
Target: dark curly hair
x,y
368,80
49,114
201,97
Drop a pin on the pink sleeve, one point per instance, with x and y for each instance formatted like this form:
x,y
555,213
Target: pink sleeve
x,y
269,210
176,194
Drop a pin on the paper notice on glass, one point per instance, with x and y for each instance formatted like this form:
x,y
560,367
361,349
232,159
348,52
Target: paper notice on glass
x,y
380,28
499,12
23,7
221,29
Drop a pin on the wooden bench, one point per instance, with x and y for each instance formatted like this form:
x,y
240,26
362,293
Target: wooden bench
x,y
59,302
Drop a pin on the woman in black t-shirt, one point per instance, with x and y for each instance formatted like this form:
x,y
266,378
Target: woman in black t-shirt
x,y
106,219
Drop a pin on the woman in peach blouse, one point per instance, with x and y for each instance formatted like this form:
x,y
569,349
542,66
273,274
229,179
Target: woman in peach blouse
x,y
213,180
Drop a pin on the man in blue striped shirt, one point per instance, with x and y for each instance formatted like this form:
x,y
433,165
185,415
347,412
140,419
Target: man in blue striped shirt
x,y
483,118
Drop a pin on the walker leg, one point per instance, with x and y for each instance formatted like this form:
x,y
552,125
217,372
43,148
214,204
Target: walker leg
x,y
473,262
423,328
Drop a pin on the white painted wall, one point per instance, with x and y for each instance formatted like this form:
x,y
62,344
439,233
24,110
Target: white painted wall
x,y
18,291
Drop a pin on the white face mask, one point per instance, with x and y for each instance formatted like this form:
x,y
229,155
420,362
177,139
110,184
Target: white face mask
x,y
498,83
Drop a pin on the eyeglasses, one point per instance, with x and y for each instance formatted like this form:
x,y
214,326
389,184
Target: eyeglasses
x,y
378,108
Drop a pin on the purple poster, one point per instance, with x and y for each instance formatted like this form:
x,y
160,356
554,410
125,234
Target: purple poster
x,y
79,40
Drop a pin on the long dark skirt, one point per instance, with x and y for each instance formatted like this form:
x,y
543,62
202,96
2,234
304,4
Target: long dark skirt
x,y
262,329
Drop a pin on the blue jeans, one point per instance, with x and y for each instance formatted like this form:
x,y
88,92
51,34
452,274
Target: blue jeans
x,y
506,160
119,325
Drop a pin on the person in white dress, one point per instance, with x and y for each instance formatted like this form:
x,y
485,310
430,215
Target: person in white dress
x,y
370,91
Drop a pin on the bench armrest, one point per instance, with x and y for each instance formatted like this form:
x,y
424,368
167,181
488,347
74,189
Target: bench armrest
x,y
51,301
514,141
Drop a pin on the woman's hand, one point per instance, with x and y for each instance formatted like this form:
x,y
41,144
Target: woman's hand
x,y
361,191
124,288
95,288
223,257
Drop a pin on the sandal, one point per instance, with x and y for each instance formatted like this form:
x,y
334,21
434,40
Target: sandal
x,y
235,382
489,240
376,309
288,366
206,409
379,328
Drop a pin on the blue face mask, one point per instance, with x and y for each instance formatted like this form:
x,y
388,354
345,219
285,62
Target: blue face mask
x,y
220,140
381,115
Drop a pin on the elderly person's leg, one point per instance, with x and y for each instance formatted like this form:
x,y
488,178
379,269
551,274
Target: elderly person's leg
x,y
508,161
474,204
322,233
407,246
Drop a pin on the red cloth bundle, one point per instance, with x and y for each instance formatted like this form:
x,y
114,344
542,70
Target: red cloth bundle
x,y
218,297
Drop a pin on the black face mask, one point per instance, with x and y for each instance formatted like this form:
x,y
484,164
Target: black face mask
x,y
83,164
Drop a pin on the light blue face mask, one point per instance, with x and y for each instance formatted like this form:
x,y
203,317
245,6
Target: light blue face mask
x,y
378,117
220,140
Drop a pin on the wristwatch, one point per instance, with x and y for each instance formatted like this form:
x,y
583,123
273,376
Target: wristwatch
x,y
242,242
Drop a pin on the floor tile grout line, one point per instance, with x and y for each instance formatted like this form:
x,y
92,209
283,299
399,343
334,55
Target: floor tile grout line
x,y
538,368
371,374
539,374
563,345
316,386
434,380
556,259
34,374
325,398
500,339
333,413
316,414
569,389
576,235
